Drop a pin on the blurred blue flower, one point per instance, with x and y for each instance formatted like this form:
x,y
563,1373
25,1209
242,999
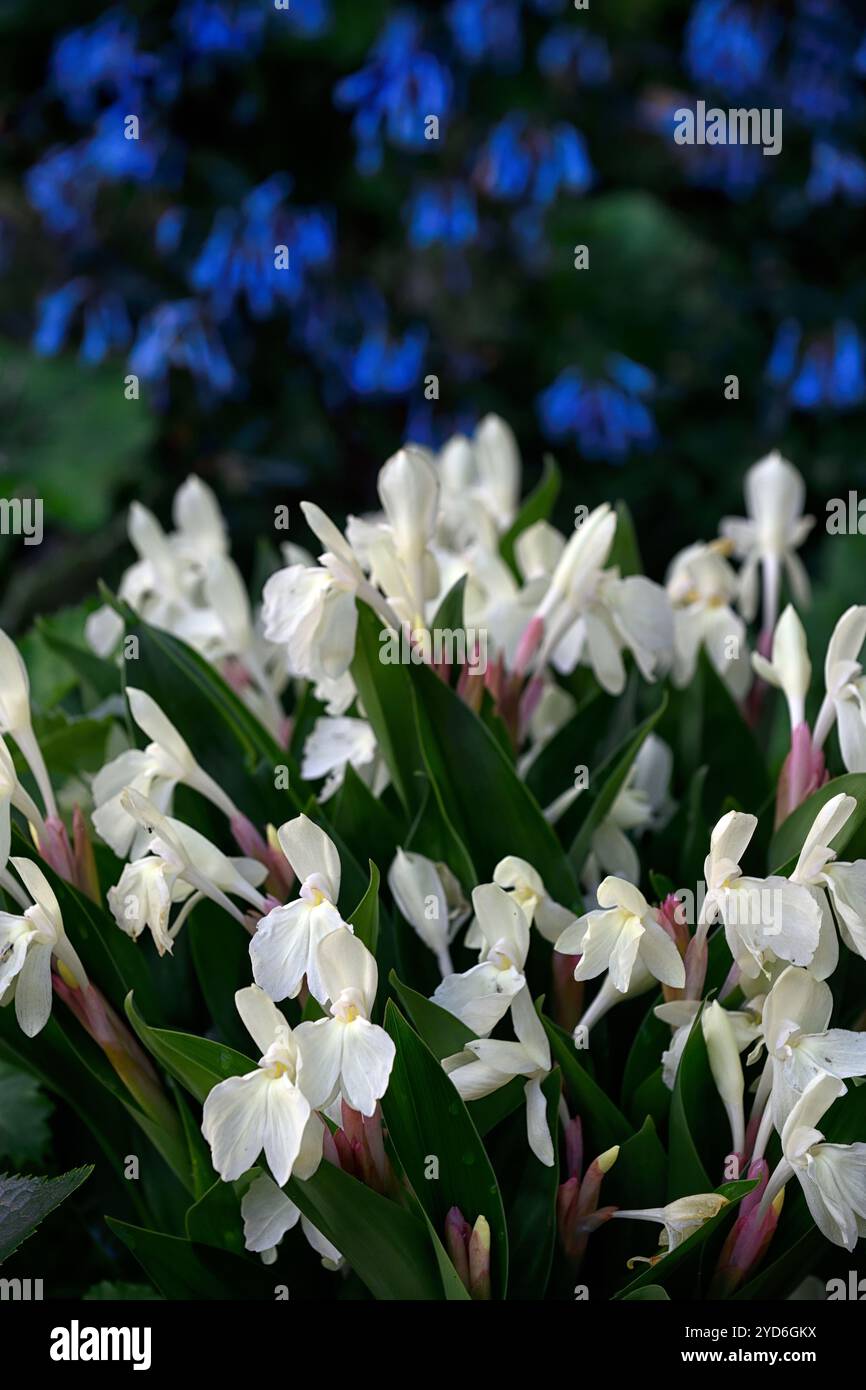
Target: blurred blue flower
x,y
352,339
263,252
106,325
168,231
180,335
396,91
523,161
836,173
442,213
730,45
62,187
219,28
574,55
100,64
829,372
309,18
115,157
820,81
487,31
606,417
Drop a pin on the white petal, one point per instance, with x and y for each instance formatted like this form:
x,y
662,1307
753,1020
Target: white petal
x,y
480,997
267,1214
310,851
33,989
345,964
280,950
368,1056
233,1122
537,1128
260,1015
286,1114
660,955
321,1047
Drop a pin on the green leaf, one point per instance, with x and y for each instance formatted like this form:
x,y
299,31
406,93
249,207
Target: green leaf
x,y
538,506
384,689
788,840
699,1132
603,1123
637,1179
530,1199
96,674
112,1292
25,1203
197,1063
426,1119
364,823
24,1113
185,1271
215,1219
625,551
650,1293
365,918
480,793
388,1247
449,614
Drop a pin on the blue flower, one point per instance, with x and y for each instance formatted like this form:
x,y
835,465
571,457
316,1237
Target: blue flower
x,y
106,325
394,94
574,55
523,161
829,373
216,28
820,82
836,173
180,335
442,213
487,31
352,339
101,64
730,45
262,253
606,417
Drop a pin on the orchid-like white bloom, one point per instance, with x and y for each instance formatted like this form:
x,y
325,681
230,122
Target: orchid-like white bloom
x,y
267,1109
346,1054
480,484
486,1065
790,669
819,870
268,1214
431,900
402,561
769,538
680,1014
287,941
702,587
680,1219
27,943
15,717
335,743
832,1176
154,771
312,612
621,932
526,887
482,995
800,1045
765,920
845,700
187,854
724,1058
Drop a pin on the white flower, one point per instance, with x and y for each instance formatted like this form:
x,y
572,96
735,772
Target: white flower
x,y
154,772
27,943
333,744
192,857
764,919
526,887
681,1014
622,932
832,1176
641,803
845,698
486,1065
480,482
312,613
724,1057
818,869
681,1218
774,530
15,717
482,995
143,897
268,1214
13,794
266,1109
346,1054
286,944
799,1043
702,586
790,669
430,899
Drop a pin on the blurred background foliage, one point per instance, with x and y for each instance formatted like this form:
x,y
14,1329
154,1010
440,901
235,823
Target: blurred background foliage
x,y
304,127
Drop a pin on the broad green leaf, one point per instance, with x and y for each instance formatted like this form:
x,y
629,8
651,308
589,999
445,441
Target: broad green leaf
x,y
385,689
387,1246
480,793
625,551
788,840
699,1134
427,1119
529,1193
650,1293
185,1271
215,1219
363,822
197,1063
449,614
365,918
25,1202
603,1123
24,1115
637,1179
